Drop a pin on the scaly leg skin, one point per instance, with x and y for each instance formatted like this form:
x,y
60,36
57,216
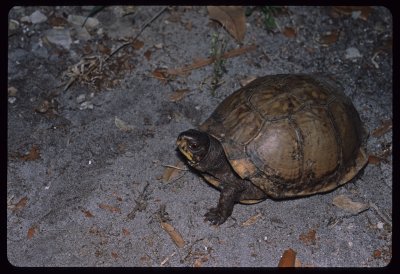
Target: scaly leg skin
x,y
218,215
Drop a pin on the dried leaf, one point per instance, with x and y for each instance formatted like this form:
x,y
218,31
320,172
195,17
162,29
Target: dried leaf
x,y
289,32
87,213
175,235
385,127
377,253
297,262
288,258
309,237
348,10
32,155
252,220
110,208
199,261
20,205
137,44
114,254
188,25
103,49
121,125
161,74
125,232
170,173
178,95
31,232
231,17
347,204
43,106
374,160
329,38
147,54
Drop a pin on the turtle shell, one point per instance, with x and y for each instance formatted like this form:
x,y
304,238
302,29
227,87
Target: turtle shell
x,y
290,135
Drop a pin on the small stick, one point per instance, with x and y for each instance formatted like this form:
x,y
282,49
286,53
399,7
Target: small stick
x,y
175,167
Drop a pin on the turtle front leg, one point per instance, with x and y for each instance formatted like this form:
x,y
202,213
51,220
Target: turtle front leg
x,y
227,199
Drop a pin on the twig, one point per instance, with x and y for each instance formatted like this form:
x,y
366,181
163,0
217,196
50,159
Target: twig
x,y
204,62
140,203
175,167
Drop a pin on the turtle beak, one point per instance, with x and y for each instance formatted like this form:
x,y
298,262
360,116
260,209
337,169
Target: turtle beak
x,y
182,144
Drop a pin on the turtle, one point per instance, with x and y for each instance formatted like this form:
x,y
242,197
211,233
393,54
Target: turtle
x,y
281,136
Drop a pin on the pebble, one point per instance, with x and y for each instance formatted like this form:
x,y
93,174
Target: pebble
x,y
81,98
12,100
59,37
352,53
37,17
13,25
379,225
86,105
90,24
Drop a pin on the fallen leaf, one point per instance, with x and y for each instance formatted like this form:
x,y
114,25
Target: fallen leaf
x,y
198,63
87,213
43,106
178,95
188,25
123,126
103,49
147,54
175,235
12,91
297,262
374,160
172,172
114,254
112,209
32,155
252,220
200,261
31,232
125,232
377,253
231,17
137,44
161,74
289,32
20,205
309,237
348,10
384,128
348,205
329,38
288,258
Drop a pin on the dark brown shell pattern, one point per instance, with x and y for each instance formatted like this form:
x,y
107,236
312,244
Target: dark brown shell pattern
x,y
290,135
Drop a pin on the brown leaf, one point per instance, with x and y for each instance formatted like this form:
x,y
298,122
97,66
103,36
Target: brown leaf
x,y
103,49
114,254
112,209
347,204
377,253
147,54
137,44
171,173
288,258
32,155
289,32
309,237
175,235
188,25
178,95
160,74
329,38
31,231
252,220
126,232
348,10
374,160
231,17
21,204
87,213
385,127
199,261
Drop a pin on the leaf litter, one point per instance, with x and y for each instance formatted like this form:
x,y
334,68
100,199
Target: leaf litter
x,y
232,18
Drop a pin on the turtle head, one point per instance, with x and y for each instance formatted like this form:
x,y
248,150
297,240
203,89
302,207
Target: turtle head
x,y
194,145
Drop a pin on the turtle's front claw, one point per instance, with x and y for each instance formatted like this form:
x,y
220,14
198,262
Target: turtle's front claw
x,y
215,217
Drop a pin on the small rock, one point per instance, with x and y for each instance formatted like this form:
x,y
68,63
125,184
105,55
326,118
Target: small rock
x,y
90,24
86,105
12,92
81,98
37,17
379,225
352,53
356,14
59,37
12,100
13,25
26,19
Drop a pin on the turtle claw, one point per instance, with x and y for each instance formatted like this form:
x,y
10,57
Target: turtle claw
x,y
215,217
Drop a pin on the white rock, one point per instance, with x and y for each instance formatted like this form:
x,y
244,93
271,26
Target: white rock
x,y
379,225
81,98
12,100
13,25
38,17
60,37
26,19
352,53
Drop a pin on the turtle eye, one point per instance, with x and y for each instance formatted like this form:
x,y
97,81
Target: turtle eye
x,y
193,146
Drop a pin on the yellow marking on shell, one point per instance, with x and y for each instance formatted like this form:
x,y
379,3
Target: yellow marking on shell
x,y
182,147
243,167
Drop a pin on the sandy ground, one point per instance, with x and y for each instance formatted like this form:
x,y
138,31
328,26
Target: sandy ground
x,y
84,184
